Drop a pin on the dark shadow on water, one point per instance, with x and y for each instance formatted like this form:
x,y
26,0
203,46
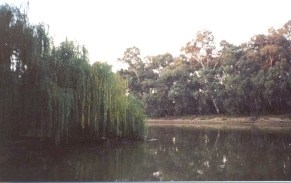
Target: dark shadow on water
x,y
187,154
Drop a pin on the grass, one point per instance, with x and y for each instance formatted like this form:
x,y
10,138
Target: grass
x,y
284,116
202,118
226,118
188,117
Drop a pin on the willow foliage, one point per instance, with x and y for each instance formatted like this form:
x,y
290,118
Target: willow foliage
x,y
53,92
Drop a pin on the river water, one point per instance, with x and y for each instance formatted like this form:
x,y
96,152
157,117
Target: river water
x,y
178,154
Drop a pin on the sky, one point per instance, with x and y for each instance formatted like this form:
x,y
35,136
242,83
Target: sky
x,y
108,27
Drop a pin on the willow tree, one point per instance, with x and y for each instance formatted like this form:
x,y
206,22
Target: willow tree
x,y
53,92
112,107
15,51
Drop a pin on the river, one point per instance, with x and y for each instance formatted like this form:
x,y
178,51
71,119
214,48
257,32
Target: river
x,y
178,154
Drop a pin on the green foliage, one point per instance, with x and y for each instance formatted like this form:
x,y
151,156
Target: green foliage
x,y
250,79
53,92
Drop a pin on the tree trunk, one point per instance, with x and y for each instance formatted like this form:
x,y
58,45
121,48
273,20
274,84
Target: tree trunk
x,y
215,105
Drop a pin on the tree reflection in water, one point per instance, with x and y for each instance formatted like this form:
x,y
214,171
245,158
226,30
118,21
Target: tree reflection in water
x,y
178,154
223,155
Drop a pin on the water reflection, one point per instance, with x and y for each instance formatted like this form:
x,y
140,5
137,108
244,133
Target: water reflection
x,y
223,155
178,154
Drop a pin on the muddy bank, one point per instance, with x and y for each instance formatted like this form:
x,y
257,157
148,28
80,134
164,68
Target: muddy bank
x,y
264,122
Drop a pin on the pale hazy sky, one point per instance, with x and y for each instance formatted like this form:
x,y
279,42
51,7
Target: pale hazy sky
x,y
108,27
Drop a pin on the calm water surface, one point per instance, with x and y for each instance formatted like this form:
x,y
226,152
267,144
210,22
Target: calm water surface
x,y
177,154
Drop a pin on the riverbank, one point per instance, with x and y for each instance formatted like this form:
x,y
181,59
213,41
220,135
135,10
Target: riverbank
x,y
230,122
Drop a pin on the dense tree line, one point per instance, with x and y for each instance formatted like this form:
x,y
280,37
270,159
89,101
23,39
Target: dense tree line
x,y
53,91
253,78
